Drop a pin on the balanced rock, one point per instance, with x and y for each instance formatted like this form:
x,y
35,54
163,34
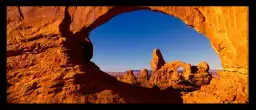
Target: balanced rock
x,y
129,77
157,61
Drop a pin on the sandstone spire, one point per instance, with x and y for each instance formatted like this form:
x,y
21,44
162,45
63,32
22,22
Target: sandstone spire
x,y
129,77
157,61
143,74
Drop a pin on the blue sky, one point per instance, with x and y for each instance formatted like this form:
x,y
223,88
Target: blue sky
x,y
127,42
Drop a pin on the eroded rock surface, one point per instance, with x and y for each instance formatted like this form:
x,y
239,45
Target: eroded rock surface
x,y
187,71
48,45
157,60
203,67
143,75
168,73
129,77
230,87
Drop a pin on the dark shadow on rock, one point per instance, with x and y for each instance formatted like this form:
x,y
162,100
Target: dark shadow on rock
x,y
193,69
95,81
78,46
188,86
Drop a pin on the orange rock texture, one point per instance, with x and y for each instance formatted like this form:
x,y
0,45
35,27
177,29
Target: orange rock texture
x,y
47,46
157,60
230,87
129,77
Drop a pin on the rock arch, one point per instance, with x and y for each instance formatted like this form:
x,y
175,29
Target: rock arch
x,y
215,24
45,37
175,65
225,27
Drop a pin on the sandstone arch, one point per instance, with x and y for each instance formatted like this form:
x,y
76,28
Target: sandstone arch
x,y
33,68
225,27
176,64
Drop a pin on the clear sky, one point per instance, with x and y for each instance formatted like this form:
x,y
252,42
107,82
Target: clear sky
x,y
127,42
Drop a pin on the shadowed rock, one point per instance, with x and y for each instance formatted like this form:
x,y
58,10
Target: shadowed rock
x,y
201,78
25,23
96,81
201,75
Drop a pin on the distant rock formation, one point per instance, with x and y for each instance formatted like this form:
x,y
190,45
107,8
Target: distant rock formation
x,y
187,71
203,67
157,60
143,75
201,78
129,77
201,75
167,73
61,29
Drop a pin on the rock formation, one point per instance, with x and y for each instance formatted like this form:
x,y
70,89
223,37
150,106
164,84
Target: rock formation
x,y
200,74
169,73
203,67
206,20
187,71
201,78
230,87
44,50
157,60
143,75
129,77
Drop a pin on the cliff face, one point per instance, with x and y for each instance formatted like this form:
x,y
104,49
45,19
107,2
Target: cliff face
x,y
47,46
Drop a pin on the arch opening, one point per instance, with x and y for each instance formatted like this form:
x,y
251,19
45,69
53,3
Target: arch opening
x,y
101,33
180,70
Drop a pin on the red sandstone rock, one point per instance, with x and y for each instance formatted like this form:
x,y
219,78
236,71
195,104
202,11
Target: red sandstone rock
x,y
143,74
60,30
187,71
157,60
129,77
203,67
